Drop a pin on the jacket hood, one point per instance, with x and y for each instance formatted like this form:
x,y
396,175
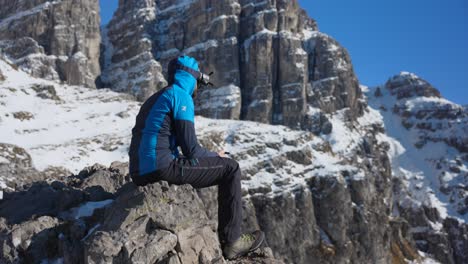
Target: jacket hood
x,y
184,79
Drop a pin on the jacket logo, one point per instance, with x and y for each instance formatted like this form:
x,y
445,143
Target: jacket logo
x,y
184,108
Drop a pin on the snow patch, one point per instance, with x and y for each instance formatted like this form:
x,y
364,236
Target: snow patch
x,y
87,209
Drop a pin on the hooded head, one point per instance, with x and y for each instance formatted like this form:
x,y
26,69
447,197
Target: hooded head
x,y
182,78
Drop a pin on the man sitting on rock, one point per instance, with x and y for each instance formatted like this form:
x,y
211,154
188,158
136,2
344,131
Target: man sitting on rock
x,y
166,121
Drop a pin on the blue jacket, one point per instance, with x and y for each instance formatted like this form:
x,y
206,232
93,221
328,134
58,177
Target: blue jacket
x,y
166,121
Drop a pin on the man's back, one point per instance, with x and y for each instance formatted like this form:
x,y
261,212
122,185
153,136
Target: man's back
x,y
166,121
153,143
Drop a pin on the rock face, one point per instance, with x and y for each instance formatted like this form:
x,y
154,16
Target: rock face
x,y
343,212
426,172
16,168
128,62
69,221
334,85
270,64
138,230
57,40
2,78
433,120
437,119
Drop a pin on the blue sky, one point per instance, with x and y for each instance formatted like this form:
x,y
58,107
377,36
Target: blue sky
x,y
427,37
107,9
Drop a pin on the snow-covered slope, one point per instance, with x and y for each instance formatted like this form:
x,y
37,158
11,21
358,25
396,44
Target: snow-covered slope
x,y
427,137
61,125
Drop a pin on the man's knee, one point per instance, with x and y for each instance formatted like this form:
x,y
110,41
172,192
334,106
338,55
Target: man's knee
x,y
232,167
231,164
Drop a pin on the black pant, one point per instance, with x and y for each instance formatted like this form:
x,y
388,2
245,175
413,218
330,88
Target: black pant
x,y
205,172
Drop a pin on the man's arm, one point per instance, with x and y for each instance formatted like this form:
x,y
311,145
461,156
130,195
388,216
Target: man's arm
x,y
184,114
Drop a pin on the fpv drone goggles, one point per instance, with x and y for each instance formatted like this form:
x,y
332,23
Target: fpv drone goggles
x,y
203,79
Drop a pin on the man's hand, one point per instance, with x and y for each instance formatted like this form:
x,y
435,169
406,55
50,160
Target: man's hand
x,y
222,154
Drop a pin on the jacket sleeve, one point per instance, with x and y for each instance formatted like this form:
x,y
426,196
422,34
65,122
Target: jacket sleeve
x,y
184,114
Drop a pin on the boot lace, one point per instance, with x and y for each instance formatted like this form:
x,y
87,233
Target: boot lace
x,y
247,237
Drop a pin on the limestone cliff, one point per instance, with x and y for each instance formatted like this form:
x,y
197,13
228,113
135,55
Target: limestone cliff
x,y
57,40
270,63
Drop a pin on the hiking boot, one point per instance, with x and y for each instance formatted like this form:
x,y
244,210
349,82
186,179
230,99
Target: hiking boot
x,y
245,244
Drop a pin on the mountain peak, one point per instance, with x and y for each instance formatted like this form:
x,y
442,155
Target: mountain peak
x,y
408,85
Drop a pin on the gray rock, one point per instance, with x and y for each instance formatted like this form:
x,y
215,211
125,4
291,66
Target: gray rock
x,y
279,218
221,103
133,244
407,85
16,170
317,122
46,92
15,155
458,237
99,182
20,47
332,204
403,247
23,115
446,244
433,121
31,240
266,72
128,62
38,200
63,36
26,53
141,209
334,85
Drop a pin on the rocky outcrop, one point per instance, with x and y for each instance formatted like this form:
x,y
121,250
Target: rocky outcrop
x,y
334,85
402,246
421,107
445,239
408,85
433,120
343,214
2,78
270,63
429,183
139,232
57,40
97,216
16,169
128,62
